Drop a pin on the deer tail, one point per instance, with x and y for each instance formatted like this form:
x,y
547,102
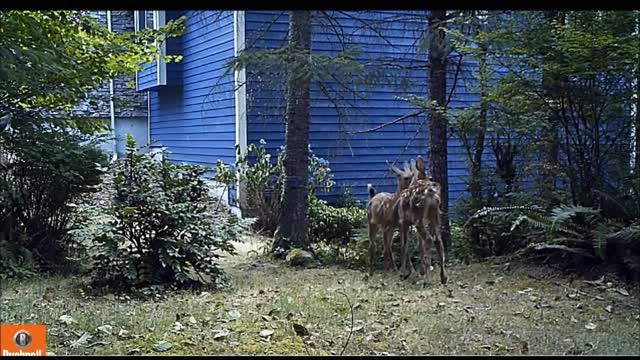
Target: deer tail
x,y
371,191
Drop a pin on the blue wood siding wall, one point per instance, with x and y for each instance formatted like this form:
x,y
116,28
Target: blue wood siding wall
x,y
196,118
359,159
148,77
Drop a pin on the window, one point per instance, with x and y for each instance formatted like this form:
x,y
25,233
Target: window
x,y
153,19
148,19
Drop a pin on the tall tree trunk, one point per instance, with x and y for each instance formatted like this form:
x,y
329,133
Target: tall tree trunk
x,y
550,135
292,227
475,183
637,123
438,124
637,119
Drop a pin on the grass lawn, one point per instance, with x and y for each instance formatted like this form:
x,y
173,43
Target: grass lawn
x,y
485,309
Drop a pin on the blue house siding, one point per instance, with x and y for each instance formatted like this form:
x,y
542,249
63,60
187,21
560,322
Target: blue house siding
x,y
194,115
195,118
148,78
357,159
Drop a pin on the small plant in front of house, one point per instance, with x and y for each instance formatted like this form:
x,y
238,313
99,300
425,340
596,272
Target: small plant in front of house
x,y
263,179
333,227
161,230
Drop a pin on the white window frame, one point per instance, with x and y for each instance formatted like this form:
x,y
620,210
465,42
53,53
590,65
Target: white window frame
x,y
159,20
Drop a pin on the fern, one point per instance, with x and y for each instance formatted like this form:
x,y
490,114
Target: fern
x,y
545,223
565,212
487,211
629,233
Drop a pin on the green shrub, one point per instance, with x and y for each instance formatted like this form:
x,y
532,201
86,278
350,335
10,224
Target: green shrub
x,y
159,228
263,180
333,226
347,199
44,170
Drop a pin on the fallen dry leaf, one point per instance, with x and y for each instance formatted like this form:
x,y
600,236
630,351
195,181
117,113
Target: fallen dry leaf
x,y
266,333
622,291
66,319
177,326
82,341
105,329
596,282
220,333
162,346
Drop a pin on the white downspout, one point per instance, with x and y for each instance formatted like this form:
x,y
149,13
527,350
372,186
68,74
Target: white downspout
x,y
240,95
111,104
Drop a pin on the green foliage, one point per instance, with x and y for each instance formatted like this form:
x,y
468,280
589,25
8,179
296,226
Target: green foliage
x,y
334,226
578,229
572,73
51,59
17,261
461,247
161,229
44,170
263,180
347,199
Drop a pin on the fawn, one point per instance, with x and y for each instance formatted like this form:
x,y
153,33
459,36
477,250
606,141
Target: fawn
x,y
382,214
419,205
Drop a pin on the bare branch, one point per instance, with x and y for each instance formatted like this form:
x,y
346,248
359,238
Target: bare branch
x,y
403,117
368,26
337,29
415,135
343,292
264,31
455,81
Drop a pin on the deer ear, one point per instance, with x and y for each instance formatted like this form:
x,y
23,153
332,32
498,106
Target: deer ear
x,y
420,164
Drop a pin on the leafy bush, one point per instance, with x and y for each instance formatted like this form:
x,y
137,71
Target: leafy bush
x,y
347,199
332,225
263,181
161,229
44,170
461,247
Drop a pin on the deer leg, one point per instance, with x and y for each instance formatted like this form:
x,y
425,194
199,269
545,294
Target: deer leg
x,y
373,230
406,256
440,250
425,250
388,242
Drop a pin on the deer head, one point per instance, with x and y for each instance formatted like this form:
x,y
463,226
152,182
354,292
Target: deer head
x,y
405,176
418,170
